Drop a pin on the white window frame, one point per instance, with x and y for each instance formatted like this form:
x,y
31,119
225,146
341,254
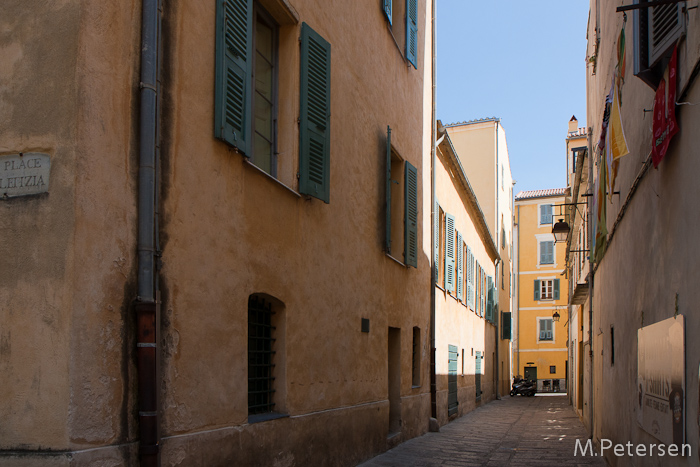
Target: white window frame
x,y
543,286
539,329
539,214
548,237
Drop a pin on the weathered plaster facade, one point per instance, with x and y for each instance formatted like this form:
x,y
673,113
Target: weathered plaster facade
x,y
649,271
69,88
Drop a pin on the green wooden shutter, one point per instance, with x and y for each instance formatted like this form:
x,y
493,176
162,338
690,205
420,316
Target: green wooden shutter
x,y
412,32
232,94
460,266
489,298
537,289
386,6
410,215
315,113
556,289
452,400
436,240
387,241
449,253
468,272
507,326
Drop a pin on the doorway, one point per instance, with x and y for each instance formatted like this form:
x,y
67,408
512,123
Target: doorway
x,y
531,373
394,378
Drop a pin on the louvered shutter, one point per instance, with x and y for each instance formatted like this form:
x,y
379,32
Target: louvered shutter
x,y
386,6
315,113
387,240
460,266
468,301
449,253
411,215
537,289
548,328
412,32
436,241
507,325
556,289
452,400
232,109
489,298
666,25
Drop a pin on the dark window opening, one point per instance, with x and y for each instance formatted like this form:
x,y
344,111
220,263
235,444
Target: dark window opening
x,y
415,367
552,369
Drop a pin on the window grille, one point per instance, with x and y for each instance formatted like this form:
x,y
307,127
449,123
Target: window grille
x,y
260,356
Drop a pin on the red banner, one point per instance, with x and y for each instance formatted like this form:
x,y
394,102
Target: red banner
x,y
665,125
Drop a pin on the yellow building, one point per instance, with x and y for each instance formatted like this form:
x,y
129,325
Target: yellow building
x,y
540,346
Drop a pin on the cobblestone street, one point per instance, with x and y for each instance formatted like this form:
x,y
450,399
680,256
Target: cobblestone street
x,y
522,431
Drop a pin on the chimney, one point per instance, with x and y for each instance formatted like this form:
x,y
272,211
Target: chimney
x,y
573,124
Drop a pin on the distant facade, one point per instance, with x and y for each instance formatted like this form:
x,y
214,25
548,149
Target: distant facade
x,y
541,351
229,265
466,316
578,266
643,174
483,149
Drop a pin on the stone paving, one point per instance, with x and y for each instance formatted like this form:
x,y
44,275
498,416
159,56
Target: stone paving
x,y
519,431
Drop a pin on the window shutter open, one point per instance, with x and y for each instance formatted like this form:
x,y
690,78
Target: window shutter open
x,y
468,300
460,266
232,110
449,253
507,326
412,32
411,215
436,245
315,113
387,240
386,6
556,289
537,289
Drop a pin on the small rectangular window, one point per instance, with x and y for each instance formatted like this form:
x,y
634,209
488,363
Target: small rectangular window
x,y
552,369
546,329
415,354
545,214
260,355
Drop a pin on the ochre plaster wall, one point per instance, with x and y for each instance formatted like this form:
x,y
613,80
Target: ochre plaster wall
x,y
230,231
68,255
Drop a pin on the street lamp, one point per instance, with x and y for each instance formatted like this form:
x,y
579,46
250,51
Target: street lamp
x,y
560,231
556,316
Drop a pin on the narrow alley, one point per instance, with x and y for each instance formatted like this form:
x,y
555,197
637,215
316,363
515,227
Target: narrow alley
x,y
522,431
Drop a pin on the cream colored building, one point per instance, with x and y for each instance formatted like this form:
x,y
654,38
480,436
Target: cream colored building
x,y
540,351
483,149
465,291
648,271
226,261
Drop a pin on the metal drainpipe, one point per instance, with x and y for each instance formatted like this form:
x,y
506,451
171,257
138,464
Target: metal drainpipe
x,y
591,234
517,297
497,316
498,242
146,306
433,135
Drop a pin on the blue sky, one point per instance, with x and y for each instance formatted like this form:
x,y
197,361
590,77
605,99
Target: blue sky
x,y
523,62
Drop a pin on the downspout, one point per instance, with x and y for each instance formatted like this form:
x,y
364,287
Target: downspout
x,y
517,297
146,305
433,425
591,235
498,242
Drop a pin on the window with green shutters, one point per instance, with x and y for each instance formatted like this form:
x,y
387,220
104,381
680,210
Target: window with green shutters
x,y
546,214
449,253
387,8
401,211
459,250
546,252
506,325
412,32
315,114
546,289
245,114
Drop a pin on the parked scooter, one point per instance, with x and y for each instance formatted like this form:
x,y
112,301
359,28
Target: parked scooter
x,y
523,387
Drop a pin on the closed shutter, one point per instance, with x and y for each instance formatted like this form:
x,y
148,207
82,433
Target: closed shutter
x,y
232,95
386,5
315,113
546,252
412,32
548,328
489,298
537,289
546,214
452,401
477,375
460,266
449,253
387,240
556,289
667,24
469,277
543,329
411,215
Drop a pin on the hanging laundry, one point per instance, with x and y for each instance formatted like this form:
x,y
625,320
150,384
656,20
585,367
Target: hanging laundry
x,y
600,228
665,125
